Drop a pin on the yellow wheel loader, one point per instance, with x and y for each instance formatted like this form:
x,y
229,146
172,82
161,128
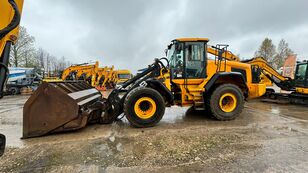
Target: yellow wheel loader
x,y
185,78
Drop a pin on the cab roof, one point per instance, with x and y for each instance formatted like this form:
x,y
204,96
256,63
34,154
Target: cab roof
x,y
192,39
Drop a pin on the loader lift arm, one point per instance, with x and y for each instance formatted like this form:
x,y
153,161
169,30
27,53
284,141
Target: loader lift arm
x,y
10,15
10,19
114,106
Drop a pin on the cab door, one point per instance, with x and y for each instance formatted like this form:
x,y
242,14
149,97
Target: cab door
x,y
301,75
195,64
188,61
188,71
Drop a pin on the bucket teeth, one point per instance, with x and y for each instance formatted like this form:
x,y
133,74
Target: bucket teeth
x,y
61,106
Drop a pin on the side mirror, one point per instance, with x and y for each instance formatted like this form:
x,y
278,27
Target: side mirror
x,y
2,144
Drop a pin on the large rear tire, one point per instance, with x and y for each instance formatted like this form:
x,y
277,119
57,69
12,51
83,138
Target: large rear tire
x,y
226,102
144,107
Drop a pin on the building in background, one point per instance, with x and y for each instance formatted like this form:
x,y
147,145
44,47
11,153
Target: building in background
x,y
289,66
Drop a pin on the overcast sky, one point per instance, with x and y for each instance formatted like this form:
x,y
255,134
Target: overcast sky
x,y
131,33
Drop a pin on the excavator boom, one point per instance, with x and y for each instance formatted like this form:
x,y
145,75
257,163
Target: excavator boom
x,y
281,81
79,69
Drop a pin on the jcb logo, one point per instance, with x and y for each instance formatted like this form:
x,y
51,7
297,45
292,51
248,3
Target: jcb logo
x,y
143,84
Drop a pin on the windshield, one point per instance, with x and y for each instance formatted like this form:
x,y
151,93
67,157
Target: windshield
x,y
175,57
170,52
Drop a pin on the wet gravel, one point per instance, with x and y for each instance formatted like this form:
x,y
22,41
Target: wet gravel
x,y
266,137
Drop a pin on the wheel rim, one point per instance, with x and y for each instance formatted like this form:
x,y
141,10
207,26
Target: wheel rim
x,y
145,107
227,102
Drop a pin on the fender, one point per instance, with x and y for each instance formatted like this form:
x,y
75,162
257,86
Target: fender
x,y
161,88
218,78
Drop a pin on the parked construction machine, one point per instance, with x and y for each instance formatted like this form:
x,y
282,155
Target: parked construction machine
x,y
86,71
10,14
99,77
297,87
122,76
185,78
106,78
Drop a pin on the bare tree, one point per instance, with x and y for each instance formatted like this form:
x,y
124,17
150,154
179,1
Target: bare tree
x,y
283,51
267,50
62,63
40,56
22,53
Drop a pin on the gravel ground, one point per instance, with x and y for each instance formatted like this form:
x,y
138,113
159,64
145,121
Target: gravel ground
x,y
264,138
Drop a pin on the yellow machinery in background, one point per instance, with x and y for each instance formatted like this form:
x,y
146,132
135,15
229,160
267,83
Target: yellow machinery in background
x,y
51,79
297,86
100,77
85,71
122,76
268,75
105,78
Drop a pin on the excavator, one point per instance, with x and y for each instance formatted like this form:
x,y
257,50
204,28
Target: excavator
x,y
91,73
297,86
106,78
186,77
85,71
10,18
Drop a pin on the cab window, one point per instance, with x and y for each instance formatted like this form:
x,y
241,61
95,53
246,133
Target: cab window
x,y
195,61
301,73
176,56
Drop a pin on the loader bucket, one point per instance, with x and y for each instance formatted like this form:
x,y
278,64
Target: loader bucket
x,y
61,106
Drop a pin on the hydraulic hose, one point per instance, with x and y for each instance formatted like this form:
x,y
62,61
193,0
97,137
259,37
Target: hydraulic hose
x,y
14,22
4,60
5,70
4,57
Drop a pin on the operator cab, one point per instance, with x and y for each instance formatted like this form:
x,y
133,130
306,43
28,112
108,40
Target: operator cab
x,y
301,74
187,57
187,63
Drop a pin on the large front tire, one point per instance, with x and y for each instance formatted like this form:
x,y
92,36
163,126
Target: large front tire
x,y
226,102
144,107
